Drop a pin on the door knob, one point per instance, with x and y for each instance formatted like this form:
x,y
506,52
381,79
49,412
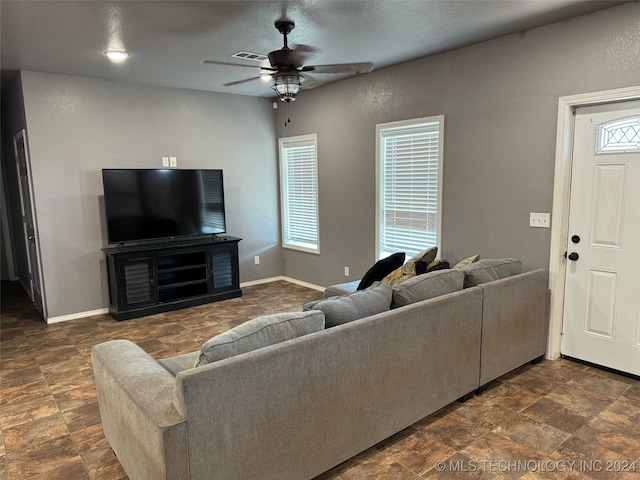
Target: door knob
x,y
573,256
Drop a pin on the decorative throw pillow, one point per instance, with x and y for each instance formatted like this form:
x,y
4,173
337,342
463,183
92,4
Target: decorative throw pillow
x,y
426,256
488,270
258,333
438,264
401,274
381,269
424,287
421,267
359,304
467,261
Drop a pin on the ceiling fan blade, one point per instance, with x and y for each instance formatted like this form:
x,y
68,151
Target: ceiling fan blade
x,y
304,51
229,64
358,68
309,82
246,80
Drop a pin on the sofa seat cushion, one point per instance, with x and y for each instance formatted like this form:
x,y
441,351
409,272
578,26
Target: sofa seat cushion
x,y
177,364
381,269
258,333
489,270
359,304
341,289
426,286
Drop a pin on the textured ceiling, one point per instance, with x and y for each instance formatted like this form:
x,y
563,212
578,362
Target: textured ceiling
x,y
168,40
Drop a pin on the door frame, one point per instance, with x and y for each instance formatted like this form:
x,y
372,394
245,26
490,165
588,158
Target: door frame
x,y
22,134
561,198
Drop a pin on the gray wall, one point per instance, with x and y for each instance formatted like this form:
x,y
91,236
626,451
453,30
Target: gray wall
x,y
500,100
77,126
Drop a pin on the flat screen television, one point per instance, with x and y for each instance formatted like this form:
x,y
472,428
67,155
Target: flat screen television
x,y
145,204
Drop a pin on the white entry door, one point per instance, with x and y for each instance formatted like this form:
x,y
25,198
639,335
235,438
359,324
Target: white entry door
x,y
601,322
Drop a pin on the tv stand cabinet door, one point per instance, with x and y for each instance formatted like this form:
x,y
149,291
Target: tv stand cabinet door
x,y
223,261
136,284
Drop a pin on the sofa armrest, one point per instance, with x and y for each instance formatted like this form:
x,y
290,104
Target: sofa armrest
x,y
514,323
139,418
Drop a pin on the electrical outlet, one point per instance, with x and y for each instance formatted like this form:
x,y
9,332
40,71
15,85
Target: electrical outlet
x,y
173,161
165,161
256,259
540,220
346,271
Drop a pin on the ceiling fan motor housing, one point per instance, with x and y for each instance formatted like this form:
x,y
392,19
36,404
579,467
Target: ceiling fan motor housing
x,y
284,59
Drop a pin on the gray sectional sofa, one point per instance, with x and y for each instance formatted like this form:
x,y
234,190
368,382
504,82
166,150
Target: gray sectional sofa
x,y
294,409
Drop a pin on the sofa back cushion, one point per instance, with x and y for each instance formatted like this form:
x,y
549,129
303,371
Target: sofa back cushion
x,y
489,270
258,333
359,304
426,286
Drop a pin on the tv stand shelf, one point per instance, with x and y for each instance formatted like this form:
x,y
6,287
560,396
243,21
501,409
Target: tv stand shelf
x,y
149,279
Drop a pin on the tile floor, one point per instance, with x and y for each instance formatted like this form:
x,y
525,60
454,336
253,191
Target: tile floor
x,y
553,420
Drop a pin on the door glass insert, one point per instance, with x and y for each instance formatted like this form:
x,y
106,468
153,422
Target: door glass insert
x,y
619,135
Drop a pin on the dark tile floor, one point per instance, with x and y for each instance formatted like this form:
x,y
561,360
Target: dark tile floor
x,y
554,420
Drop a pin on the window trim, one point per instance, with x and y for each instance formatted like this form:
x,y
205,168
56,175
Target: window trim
x,y
283,143
380,128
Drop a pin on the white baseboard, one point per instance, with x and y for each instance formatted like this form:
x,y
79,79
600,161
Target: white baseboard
x,y
286,279
74,316
102,311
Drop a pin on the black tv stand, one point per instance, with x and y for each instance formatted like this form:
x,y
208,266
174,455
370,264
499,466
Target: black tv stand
x,y
155,278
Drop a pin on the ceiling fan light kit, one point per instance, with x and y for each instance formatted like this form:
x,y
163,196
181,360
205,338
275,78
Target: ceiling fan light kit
x,y
287,86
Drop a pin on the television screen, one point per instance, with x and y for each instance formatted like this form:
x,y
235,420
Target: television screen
x,y
159,204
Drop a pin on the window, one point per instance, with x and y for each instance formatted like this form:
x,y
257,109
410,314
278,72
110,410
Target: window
x,y
299,192
409,180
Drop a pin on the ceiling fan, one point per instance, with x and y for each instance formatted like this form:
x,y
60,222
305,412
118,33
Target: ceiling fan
x,y
287,71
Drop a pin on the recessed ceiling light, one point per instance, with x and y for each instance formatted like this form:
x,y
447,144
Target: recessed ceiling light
x,y
116,55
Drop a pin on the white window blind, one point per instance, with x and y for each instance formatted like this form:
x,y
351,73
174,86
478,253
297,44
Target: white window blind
x,y
409,185
299,192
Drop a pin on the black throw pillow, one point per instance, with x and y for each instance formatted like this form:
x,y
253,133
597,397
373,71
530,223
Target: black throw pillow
x,y
440,264
381,269
421,267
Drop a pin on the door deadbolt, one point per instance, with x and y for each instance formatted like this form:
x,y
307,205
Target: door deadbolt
x,y
575,239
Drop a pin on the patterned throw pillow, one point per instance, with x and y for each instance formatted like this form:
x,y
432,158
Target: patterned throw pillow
x,y
467,261
400,274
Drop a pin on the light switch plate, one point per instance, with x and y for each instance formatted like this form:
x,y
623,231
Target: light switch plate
x,y
165,161
540,220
